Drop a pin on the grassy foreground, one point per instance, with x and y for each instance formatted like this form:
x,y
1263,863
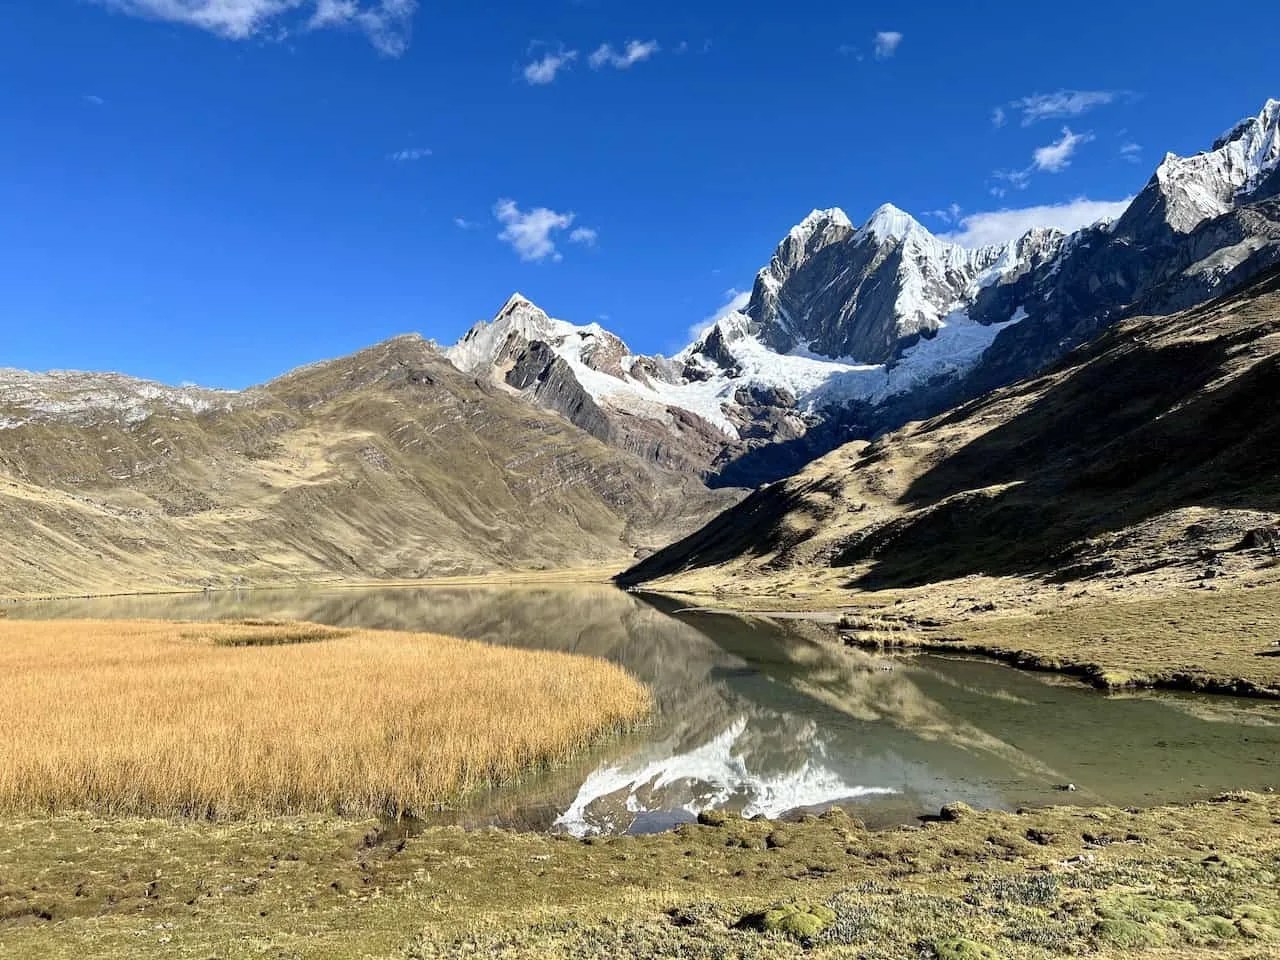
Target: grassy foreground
x,y
1172,882
215,720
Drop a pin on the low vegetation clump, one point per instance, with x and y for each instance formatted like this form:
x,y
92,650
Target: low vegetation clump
x,y
250,718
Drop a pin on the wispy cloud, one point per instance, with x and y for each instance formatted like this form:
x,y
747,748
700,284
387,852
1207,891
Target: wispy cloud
x,y
635,51
543,71
734,302
585,236
1051,158
531,233
998,117
386,23
93,99
1001,226
1062,104
1015,179
410,154
887,43
1131,151
948,214
1056,157
462,223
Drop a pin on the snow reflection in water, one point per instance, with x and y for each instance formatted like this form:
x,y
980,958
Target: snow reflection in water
x,y
765,717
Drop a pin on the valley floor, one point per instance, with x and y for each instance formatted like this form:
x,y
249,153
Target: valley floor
x,y
1170,882
1175,882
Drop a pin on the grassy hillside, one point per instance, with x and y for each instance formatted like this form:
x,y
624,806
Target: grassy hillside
x,y
386,464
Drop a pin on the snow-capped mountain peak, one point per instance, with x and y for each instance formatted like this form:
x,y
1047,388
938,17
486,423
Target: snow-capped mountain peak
x,y
1208,184
891,223
886,320
810,236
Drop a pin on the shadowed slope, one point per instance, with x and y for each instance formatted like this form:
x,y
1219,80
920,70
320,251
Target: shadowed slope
x,y
1086,468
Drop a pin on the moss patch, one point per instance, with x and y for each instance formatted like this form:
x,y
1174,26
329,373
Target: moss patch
x,y
961,948
803,921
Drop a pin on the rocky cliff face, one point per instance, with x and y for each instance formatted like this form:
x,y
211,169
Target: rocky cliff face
x,y
589,376
851,331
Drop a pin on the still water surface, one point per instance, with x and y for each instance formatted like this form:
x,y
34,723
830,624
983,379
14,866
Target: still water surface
x,y
772,717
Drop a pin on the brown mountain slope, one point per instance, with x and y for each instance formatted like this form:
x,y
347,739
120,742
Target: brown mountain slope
x,y
1158,444
385,464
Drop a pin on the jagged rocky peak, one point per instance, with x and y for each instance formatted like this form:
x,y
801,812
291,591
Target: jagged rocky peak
x,y
486,343
864,294
1187,191
818,230
494,344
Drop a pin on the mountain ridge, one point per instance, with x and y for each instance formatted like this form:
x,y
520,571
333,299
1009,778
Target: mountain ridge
x,y
386,464
1148,453
854,330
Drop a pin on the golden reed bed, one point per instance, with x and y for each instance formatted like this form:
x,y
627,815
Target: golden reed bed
x,y
234,719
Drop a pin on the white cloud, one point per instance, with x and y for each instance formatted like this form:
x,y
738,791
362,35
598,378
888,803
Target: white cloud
x,y
1018,179
1061,104
1131,151
462,223
410,154
585,236
541,72
734,302
887,42
1056,157
386,23
636,51
998,117
93,99
530,232
1000,226
949,214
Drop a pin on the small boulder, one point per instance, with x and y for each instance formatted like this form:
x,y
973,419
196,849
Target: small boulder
x,y
955,812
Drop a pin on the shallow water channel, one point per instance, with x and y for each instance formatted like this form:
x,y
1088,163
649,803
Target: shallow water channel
x,y
772,717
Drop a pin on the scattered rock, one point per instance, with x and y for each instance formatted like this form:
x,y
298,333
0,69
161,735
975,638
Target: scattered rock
x,y
779,838
713,818
955,812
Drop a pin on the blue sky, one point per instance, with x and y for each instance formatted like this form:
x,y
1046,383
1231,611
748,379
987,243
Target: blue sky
x,y
218,190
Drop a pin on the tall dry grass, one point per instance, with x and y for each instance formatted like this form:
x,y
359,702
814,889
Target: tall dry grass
x,y
224,720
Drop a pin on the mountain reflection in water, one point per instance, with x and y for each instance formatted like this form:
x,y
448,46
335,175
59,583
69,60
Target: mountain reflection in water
x,y
767,717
